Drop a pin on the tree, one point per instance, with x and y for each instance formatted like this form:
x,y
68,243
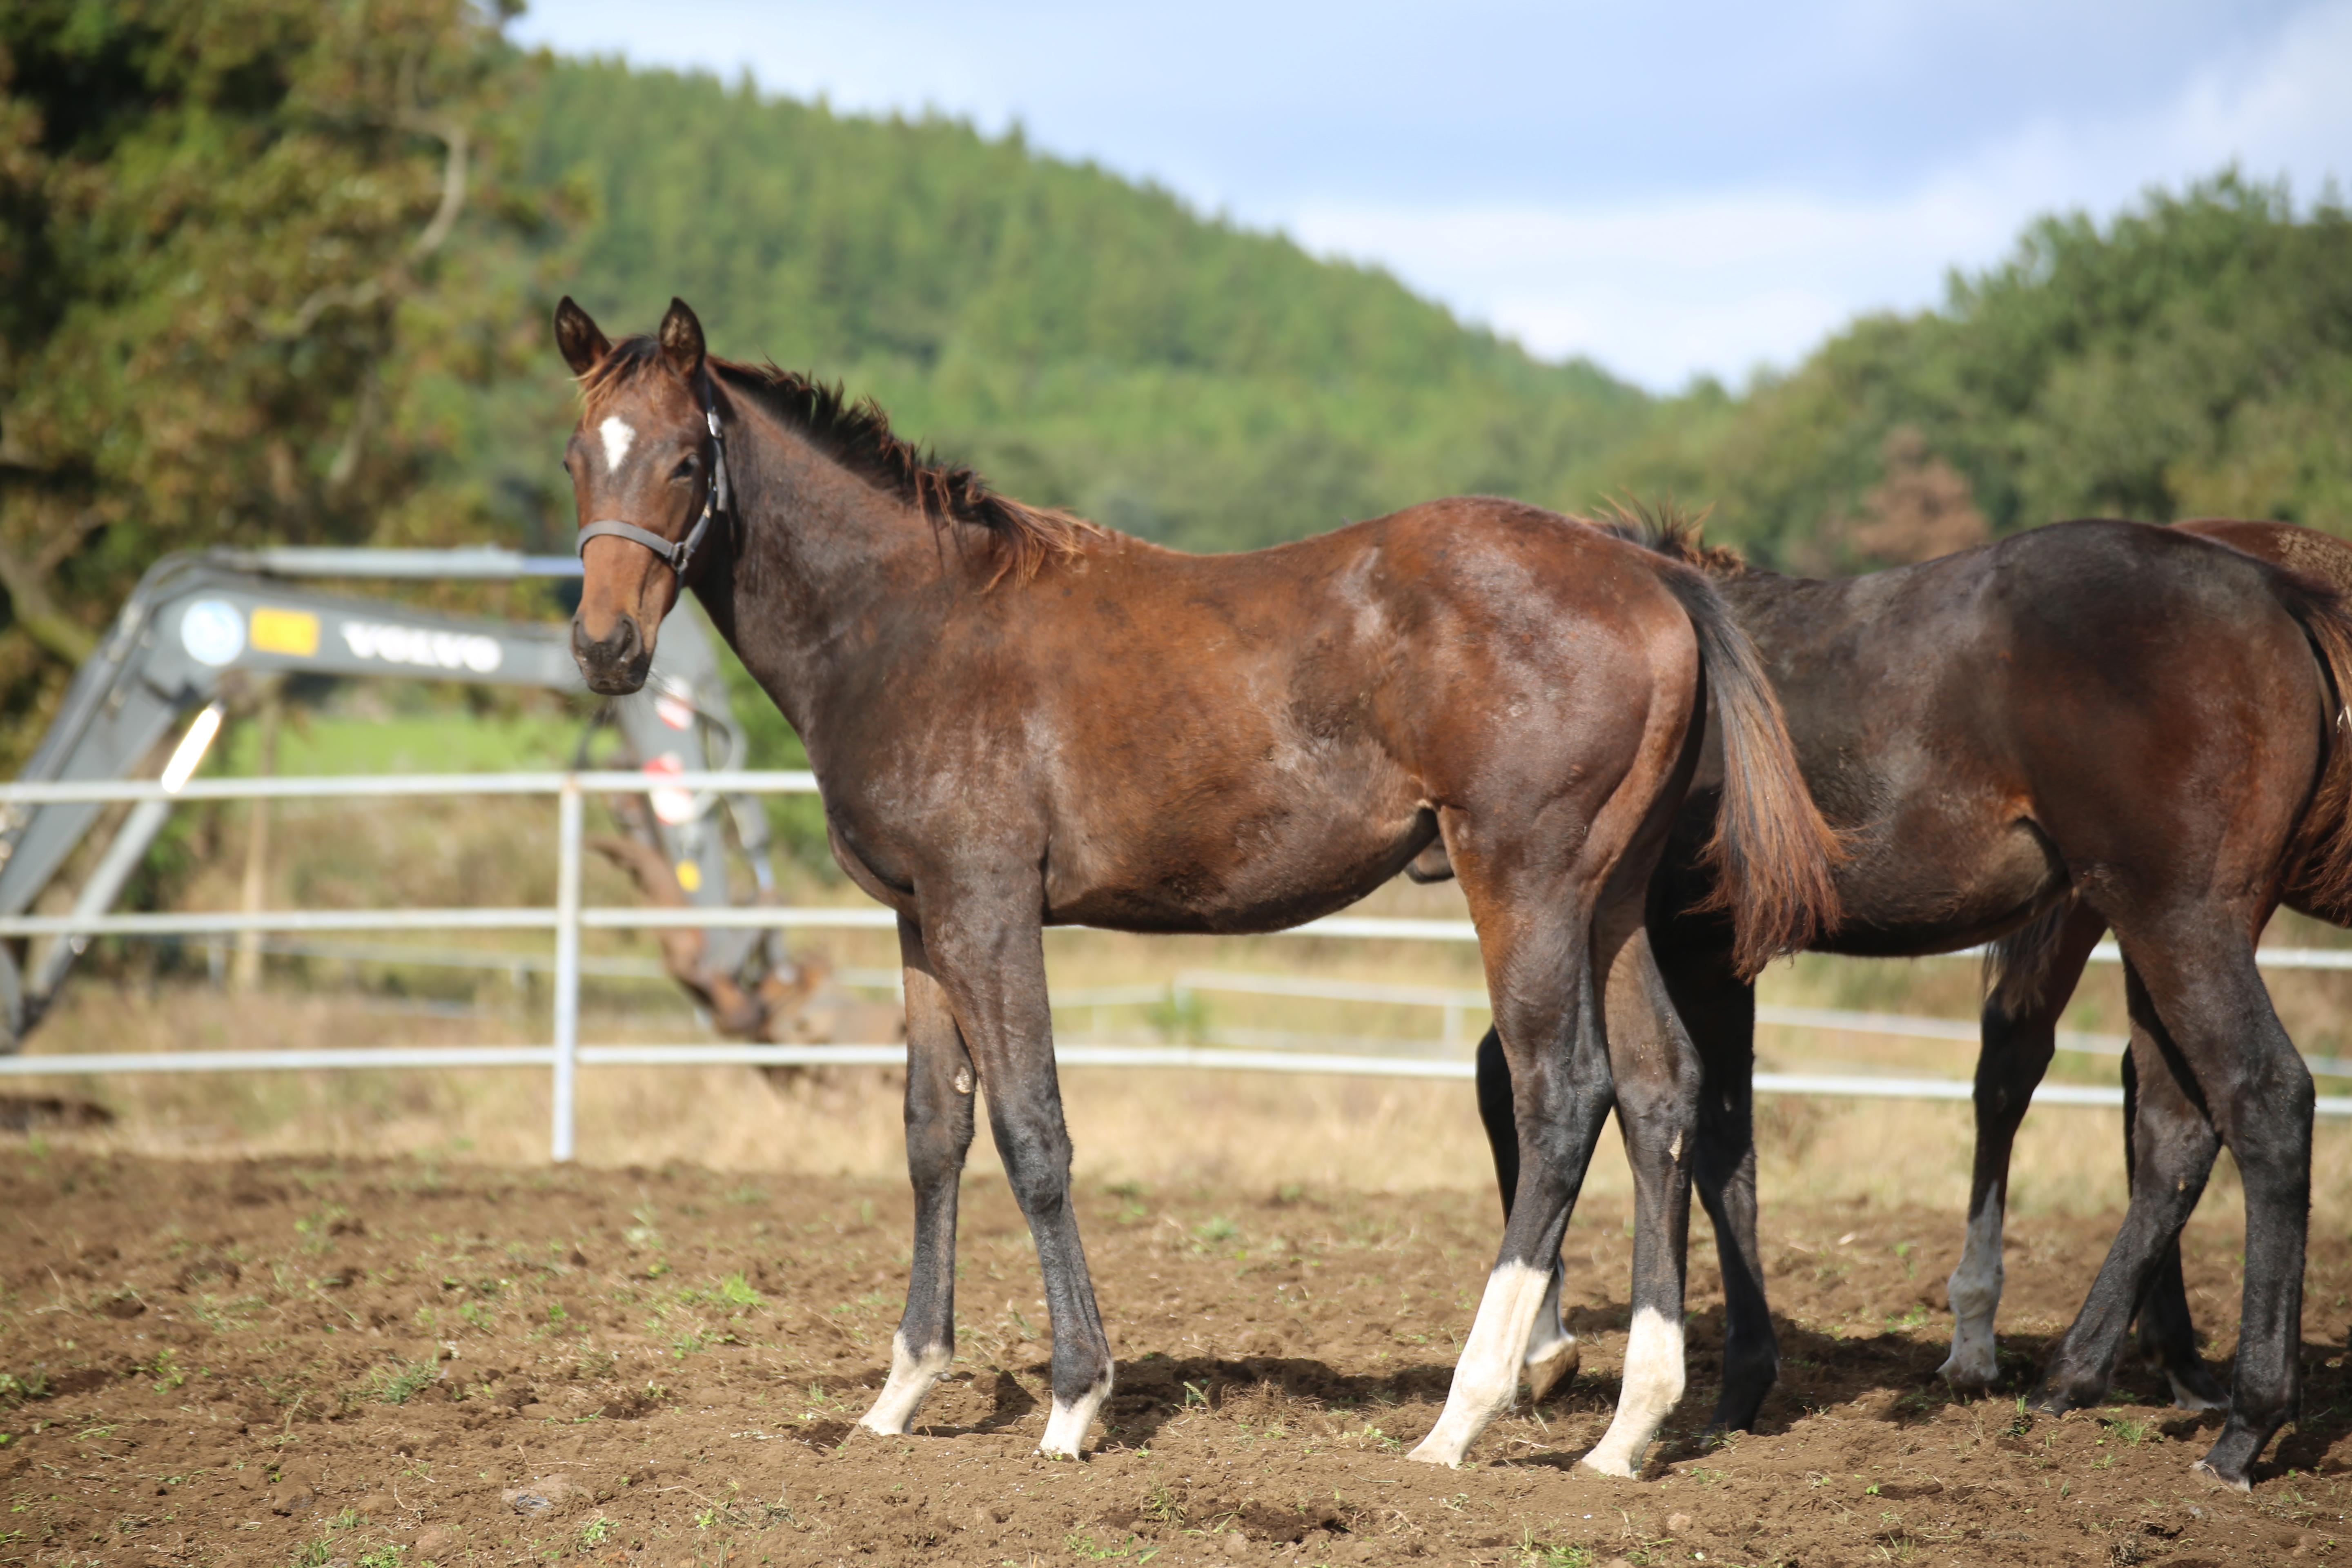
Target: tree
x,y
241,244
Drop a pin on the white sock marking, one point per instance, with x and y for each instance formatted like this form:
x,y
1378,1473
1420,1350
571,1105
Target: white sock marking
x,y
1975,1289
912,1374
1487,1376
1066,1428
619,436
1654,1385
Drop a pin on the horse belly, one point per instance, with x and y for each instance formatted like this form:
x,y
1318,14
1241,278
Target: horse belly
x,y
1945,881
1263,865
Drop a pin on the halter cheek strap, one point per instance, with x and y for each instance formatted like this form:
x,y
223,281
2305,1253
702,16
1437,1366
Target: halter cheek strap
x,y
677,554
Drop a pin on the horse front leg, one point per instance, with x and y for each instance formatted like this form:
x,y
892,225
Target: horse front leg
x,y
940,1087
1717,1009
989,957
2168,1334
2018,1034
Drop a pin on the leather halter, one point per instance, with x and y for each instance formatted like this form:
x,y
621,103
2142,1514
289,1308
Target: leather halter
x,y
677,554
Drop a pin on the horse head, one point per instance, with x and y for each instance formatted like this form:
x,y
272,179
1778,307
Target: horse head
x,y
647,469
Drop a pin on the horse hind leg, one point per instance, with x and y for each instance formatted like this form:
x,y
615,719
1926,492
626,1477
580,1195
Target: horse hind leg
x,y
1552,1352
1557,1080
2173,1145
2210,1026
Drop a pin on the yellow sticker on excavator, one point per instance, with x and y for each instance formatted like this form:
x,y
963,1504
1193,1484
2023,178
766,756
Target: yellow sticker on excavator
x,y
294,632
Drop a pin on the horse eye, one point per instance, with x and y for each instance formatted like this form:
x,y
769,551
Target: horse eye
x,y
685,469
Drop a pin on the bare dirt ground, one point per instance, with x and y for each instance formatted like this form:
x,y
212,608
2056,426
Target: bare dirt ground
x,y
382,1363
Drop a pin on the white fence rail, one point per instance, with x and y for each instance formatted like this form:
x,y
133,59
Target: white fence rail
x,y
568,918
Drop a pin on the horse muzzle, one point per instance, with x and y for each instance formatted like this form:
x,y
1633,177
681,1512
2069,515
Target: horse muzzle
x,y
616,664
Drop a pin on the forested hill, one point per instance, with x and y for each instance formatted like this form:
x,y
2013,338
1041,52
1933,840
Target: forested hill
x,y
2189,357
1094,344
1086,342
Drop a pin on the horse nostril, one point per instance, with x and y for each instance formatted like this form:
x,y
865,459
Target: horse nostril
x,y
617,646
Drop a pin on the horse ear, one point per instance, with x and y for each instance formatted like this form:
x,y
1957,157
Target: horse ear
x,y
681,340
582,345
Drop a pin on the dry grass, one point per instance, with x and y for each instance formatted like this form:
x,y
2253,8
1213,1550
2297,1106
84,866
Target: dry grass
x,y
1163,1129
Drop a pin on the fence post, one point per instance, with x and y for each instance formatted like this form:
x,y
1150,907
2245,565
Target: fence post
x,y
567,966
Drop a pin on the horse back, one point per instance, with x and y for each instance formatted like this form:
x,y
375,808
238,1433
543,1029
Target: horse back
x,y
1234,742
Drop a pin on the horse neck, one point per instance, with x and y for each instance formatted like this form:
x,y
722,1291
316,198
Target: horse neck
x,y
825,566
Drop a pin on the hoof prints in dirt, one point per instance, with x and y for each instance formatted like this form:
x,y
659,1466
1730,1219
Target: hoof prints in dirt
x,y
291,1363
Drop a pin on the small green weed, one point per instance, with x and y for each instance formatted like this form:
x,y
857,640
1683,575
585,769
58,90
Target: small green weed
x,y
16,1390
1081,1544
165,1369
401,1381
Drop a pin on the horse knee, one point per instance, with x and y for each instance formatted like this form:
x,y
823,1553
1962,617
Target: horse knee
x,y
1036,1166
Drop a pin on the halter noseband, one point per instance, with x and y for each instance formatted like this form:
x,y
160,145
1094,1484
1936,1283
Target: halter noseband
x,y
677,554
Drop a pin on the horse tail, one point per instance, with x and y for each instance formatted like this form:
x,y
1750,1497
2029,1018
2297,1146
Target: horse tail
x,y
2323,864
1771,853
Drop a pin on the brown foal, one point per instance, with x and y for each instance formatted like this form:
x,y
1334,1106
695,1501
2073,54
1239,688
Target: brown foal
x,y
1018,720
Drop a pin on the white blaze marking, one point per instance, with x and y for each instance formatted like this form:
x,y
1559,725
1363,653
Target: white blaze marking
x,y
912,1373
1487,1376
1975,1290
617,436
1654,1383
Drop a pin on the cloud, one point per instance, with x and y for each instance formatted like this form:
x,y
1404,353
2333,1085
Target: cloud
x,y
1697,187
1718,283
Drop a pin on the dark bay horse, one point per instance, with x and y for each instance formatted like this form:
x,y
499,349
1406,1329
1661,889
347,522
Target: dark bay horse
x,y
1017,720
2104,715
2041,967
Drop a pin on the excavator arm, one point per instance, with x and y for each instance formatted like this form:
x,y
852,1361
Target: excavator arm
x,y
195,623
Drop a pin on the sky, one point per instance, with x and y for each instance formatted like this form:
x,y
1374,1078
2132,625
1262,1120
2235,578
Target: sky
x,y
1672,190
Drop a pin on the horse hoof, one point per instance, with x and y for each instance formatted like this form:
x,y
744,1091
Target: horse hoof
x,y
1614,1469
2051,1400
1551,1372
1962,1370
2200,1392
1426,1455
2211,1476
